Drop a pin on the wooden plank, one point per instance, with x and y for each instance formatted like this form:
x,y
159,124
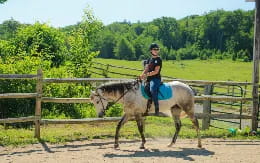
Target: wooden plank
x,y
18,76
66,100
81,80
221,98
79,121
15,120
256,56
96,73
223,116
93,80
18,95
205,82
197,98
127,68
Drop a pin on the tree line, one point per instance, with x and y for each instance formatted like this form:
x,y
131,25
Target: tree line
x,y
218,34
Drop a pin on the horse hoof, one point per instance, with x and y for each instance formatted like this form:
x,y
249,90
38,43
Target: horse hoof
x,y
142,147
116,146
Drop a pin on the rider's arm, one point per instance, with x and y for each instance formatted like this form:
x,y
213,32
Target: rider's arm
x,y
156,71
144,72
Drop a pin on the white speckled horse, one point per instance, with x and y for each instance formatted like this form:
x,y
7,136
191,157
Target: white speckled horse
x,y
129,94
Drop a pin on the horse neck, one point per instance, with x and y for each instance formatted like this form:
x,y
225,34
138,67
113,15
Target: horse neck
x,y
117,95
114,95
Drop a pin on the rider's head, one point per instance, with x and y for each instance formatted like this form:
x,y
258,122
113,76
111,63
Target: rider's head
x,y
154,49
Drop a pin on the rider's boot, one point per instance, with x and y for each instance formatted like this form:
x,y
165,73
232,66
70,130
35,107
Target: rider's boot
x,y
157,111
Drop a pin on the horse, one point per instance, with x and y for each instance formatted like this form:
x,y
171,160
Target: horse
x,y
130,95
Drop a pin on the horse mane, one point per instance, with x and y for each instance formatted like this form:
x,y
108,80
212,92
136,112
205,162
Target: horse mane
x,y
116,86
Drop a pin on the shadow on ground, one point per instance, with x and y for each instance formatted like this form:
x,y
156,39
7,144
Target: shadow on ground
x,y
185,153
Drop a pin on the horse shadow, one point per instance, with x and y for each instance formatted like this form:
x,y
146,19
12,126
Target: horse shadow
x,y
185,153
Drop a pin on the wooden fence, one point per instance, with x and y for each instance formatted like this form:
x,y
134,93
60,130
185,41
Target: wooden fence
x,y
38,95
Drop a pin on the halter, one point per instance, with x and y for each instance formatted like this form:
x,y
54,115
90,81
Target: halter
x,y
114,102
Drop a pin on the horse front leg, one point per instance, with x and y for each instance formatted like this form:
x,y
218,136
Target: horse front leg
x,y
140,124
176,117
123,120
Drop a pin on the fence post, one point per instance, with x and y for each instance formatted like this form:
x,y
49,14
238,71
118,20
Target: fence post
x,y
256,56
105,71
207,107
38,103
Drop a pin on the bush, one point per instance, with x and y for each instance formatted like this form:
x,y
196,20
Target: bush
x,y
115,111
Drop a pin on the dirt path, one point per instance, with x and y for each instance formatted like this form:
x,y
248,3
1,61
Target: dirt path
x,y
214,150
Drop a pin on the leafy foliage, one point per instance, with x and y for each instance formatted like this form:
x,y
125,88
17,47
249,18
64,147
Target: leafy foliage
x,y
3,1
216,33
42,41
26,48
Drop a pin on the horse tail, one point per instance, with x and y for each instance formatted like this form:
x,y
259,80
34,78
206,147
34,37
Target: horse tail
x,y
193,90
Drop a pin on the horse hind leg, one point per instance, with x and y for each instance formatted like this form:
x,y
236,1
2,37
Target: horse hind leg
x,y
140,124
123,120
196,125
176,111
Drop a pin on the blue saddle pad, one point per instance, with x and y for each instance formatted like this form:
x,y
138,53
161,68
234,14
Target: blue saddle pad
x,y
165,92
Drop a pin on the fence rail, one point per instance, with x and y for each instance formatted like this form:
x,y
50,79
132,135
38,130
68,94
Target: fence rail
x,y
81,80
18,76
65,100
18,95
40,81
21,119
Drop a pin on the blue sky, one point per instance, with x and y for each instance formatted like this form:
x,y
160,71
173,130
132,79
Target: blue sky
x,y
60,13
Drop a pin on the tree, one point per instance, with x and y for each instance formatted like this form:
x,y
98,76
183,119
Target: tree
x,y
9,28
42,41
107,43
168,32
125,50
80,54
3,1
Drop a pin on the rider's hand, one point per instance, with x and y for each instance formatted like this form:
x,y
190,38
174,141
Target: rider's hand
x,y
143,76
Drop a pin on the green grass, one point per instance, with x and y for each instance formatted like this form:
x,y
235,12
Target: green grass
x,y
219,70
155,127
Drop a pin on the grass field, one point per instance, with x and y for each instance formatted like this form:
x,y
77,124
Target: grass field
x,y
219,70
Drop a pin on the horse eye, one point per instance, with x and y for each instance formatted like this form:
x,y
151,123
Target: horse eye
x,y
97,102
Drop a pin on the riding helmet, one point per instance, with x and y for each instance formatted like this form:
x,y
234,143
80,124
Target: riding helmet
x,y
154,45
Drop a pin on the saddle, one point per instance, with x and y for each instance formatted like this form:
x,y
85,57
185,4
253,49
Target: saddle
x,y
164,93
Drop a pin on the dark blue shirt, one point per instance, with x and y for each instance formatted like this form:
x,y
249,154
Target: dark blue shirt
x,y
152,63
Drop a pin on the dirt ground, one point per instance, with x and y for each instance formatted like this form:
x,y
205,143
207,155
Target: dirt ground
x,y
99,150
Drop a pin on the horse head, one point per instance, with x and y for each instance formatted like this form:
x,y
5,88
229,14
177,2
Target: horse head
x,y
99,102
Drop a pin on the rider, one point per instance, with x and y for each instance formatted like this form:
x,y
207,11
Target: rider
x,y
152,71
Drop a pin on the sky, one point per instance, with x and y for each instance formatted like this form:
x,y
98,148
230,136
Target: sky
x,y
60,13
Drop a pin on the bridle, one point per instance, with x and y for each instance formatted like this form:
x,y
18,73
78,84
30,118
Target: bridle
x,y
114,102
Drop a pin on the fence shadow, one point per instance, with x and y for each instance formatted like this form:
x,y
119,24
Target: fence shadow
x,y
185,154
